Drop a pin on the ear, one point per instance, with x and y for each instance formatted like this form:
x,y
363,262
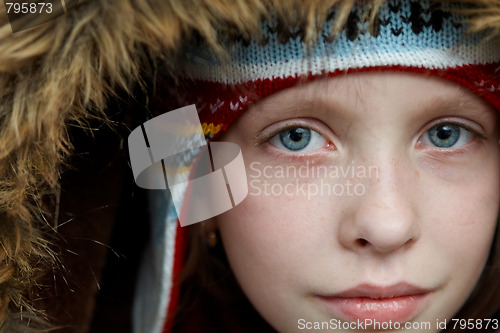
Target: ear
x,y
208,229
209,226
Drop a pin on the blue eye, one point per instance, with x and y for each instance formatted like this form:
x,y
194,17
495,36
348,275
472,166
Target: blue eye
x,y
447,135
298,139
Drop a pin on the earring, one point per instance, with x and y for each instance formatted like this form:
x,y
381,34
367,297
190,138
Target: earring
x,y
211,239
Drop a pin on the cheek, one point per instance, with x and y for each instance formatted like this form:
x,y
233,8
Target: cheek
x,y
460,234
261,234
465,206
263,238
460,221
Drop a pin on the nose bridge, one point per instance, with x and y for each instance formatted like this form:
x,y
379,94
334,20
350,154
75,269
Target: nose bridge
x,y
385,217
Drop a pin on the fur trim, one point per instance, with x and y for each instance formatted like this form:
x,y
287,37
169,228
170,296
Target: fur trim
x,y
485,15
62,73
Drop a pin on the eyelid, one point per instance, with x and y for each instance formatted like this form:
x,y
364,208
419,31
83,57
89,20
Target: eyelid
x,y
283,125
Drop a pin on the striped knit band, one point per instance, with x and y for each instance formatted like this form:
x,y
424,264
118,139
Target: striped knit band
x,y
415,36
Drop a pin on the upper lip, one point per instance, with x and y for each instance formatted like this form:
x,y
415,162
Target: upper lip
x,y
380,292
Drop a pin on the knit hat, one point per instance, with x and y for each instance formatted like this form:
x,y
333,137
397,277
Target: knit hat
x,y
411,36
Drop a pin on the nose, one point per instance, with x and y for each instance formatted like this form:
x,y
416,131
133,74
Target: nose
x,y
385,218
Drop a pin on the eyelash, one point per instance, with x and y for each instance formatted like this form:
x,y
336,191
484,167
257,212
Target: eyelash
x,y
267,138
476,134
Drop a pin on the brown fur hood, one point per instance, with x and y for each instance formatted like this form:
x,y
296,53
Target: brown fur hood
x,y
62,73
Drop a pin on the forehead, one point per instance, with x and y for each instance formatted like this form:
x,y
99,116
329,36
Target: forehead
x,y
344,95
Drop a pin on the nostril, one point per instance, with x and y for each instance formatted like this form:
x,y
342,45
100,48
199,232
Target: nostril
x,y
409,242
362,242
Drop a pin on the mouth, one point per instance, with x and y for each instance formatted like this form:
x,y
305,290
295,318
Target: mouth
x,y
397,303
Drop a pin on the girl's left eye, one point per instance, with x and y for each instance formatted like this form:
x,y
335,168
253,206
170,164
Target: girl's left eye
x,y
447,135
298,139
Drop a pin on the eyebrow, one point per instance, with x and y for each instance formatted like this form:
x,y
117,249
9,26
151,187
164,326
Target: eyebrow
x,y
460,102
285,108
463,103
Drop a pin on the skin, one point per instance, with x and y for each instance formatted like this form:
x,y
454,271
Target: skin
x,y
426,217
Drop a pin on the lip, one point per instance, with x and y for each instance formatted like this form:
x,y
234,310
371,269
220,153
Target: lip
x,y
396,303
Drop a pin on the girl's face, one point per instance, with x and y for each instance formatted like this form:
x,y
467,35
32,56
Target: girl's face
x,y
373,198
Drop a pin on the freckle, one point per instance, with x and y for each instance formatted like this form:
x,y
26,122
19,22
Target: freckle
x,y
417,173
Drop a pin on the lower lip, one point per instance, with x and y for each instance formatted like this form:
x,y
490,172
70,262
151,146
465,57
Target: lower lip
x,y
396,309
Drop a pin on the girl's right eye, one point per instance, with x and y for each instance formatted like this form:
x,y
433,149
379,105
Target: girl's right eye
x,y
298,139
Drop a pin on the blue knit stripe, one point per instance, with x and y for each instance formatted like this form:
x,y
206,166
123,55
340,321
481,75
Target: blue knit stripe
x,y
409,36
